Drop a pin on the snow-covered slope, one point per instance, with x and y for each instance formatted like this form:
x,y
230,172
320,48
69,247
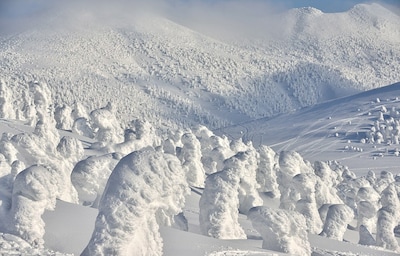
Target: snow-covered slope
x,y
340,130
154,68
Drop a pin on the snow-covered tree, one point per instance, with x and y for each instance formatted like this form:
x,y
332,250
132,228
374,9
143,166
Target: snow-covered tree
x,y
266,172
106,124
219,204
44,146
45,128
325,184
79,111
227,191
35,190
70,149
281,230
7,148
385,178
337,218
190,156
246,165
304,184
367,201
90,176
388,218
146,189
290,164
6,108
83,127
63,117
214,155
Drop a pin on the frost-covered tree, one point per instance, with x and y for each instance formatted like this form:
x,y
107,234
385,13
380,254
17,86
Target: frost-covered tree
x,y
388,218
290,164
146,189
79,111
169,147
219,204
6,108
325,185
216,153
89,177
385,178
304,184
63,117
246,165
35,190
190,156
28,109
367,201
227,191
337,218
45,128
70,149
83,127
106,124
139,136
44,146
237,145
7,148
266,172
281,230
16,167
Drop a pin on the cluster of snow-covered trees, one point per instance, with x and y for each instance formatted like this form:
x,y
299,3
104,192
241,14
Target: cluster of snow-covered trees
x,y
386,127
138,180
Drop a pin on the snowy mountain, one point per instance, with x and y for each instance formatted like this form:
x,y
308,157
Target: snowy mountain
x,y
156,68
148,133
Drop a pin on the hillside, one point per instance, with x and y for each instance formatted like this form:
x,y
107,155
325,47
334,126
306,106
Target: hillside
x,y
152,67
339,130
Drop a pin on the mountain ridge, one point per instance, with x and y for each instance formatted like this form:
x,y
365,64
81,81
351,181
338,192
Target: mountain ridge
x,y
160,68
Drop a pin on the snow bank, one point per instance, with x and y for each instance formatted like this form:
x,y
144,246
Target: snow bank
x,y
146,189
281,230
